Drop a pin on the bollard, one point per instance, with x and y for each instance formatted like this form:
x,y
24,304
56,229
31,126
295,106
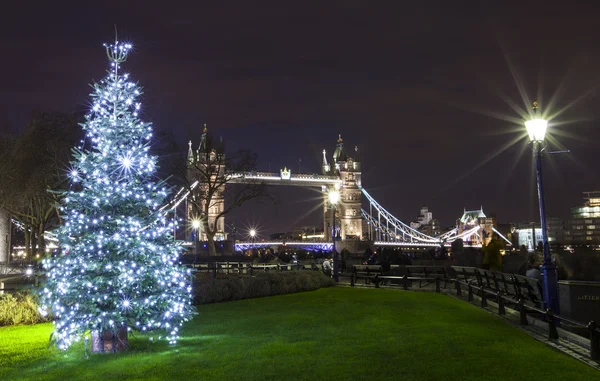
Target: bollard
x,y
594,341
405,282
458,291
500,300
483,298
376,281
437,285
523,312
352,280
470,292
552,332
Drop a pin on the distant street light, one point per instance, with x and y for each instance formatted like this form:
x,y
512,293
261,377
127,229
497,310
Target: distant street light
x,y
196,226
252,235
536,128
334,198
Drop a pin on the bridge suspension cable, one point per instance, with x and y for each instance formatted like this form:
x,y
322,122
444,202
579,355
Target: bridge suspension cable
x,y
393,227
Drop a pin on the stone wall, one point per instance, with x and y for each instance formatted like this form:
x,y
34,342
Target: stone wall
x,y
580,300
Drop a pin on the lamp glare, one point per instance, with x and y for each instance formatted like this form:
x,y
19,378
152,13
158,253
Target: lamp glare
x,y
536,128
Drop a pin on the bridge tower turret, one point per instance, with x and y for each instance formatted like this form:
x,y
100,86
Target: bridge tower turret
x,y
349,208
325,167
207,161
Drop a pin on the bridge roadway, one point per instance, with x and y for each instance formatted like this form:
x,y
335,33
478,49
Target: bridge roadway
x,y
323,245
302,179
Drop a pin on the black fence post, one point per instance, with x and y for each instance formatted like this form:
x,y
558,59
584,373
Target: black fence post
x,y
405,282
352,280
552,332
437,285
501,309
470,292
376,281
523,312
483,297
458,291
594,341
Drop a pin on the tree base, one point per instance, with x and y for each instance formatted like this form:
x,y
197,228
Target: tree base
x,y
110,341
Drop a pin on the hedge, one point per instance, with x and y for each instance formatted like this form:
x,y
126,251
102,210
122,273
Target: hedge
x,y
232,287
20,308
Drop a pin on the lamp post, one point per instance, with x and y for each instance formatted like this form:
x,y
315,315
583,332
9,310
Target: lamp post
x,y
196,226
252,235
334,197
536,128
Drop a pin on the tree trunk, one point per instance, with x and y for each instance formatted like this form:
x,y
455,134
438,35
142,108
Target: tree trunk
x,y
210,238
41,242
27,240
212,250
33,243
110,341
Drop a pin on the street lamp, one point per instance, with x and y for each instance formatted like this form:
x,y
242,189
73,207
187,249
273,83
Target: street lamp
x,y
334,197
536,128
252,235
196,226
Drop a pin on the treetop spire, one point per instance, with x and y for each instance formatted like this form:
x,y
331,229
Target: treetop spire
x,y
117,52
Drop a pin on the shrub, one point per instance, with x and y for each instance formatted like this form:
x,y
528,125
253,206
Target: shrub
x,y
20,308
236,287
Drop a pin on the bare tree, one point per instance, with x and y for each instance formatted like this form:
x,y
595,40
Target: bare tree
x,y
217,184
31,165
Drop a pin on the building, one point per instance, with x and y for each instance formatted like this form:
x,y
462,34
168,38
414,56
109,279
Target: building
x,y
5,233
424,218
348,211
475,227
529,234
584,225
426,224
204,165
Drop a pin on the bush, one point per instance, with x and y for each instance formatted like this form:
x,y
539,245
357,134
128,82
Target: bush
x,y
262,284
20,308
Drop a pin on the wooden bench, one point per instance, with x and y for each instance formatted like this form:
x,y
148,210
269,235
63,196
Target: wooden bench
x,y
526,293
365,272
427,274
511,288
529,289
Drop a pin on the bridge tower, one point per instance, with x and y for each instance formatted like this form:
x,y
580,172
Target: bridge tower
x,y
207,161
348,211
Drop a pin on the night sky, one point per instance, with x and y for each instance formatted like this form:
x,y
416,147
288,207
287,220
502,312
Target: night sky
x,y
429,91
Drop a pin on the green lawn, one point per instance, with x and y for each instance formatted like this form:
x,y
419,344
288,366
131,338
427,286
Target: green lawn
x,y
329,334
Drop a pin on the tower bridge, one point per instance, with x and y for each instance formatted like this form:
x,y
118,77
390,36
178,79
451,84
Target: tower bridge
x,y
340,172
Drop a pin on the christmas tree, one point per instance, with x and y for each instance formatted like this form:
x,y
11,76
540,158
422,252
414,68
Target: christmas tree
x,y
117,265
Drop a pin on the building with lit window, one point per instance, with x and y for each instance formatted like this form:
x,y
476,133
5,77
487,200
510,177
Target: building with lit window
x,y
584,225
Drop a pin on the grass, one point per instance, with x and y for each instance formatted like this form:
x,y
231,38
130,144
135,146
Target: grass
x,y
328,334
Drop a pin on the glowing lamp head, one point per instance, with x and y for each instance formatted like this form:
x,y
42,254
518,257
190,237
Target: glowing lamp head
x,y
196,224
334,196
252,233
536,128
